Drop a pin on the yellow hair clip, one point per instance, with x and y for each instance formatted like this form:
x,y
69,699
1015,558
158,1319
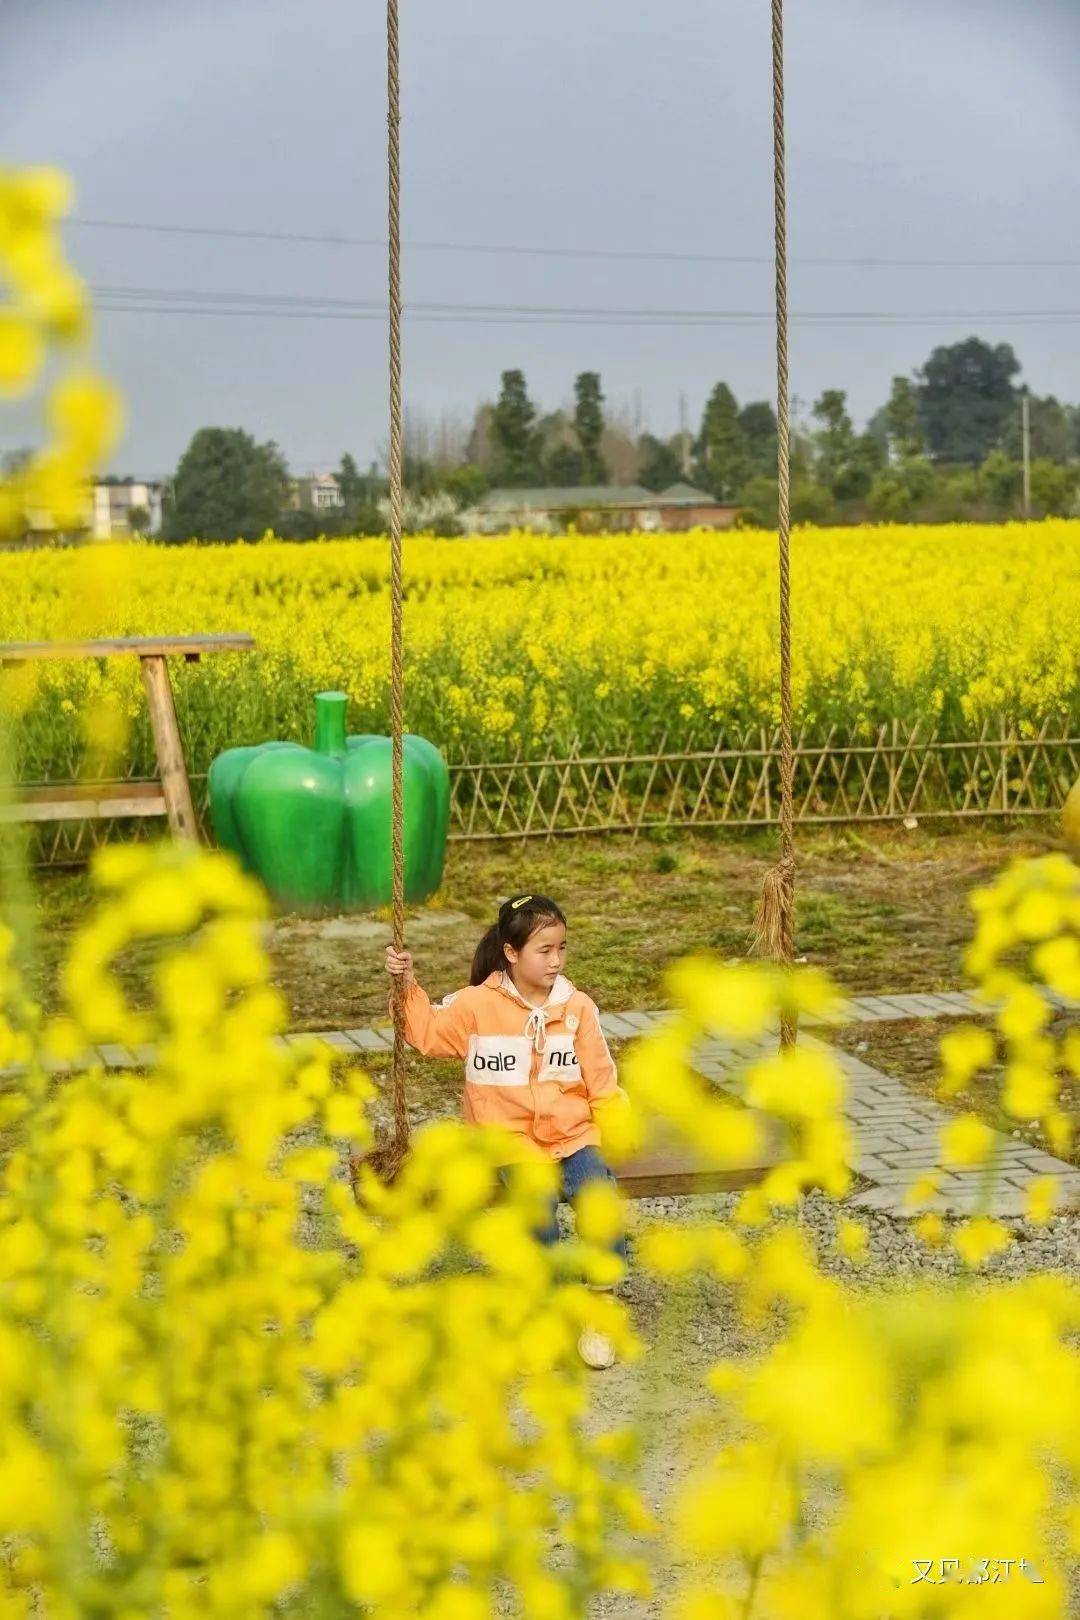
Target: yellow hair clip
x,y
514,904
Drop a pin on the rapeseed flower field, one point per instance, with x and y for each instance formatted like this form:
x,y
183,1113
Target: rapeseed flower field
x,y
525,642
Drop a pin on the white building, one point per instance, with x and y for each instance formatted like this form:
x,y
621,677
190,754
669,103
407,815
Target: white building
x,y
114,504
318,492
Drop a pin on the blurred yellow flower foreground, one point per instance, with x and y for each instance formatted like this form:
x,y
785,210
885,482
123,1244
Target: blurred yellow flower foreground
x,y
45,311
229,1389
223,1384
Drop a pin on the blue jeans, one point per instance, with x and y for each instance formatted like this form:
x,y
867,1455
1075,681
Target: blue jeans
x,y
578,1170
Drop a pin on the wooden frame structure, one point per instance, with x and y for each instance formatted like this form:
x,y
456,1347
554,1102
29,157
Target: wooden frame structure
x,y
170,794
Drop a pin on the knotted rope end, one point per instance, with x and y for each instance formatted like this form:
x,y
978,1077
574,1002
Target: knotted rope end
x,y
772,931
385,1161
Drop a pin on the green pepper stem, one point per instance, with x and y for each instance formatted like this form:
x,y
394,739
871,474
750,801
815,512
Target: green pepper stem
x,y
330,710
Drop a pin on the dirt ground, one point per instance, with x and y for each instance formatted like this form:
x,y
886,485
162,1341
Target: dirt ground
x,y
881,909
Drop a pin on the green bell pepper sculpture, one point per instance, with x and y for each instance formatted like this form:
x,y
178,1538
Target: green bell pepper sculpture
x,y
314,823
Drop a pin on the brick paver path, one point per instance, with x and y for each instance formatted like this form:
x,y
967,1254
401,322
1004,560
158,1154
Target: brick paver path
x,y
895,1130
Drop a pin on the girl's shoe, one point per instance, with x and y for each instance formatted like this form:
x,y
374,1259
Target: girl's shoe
x,y
596,1349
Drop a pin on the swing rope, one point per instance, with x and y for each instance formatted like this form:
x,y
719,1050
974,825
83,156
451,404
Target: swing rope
x,y
774,932
387,1158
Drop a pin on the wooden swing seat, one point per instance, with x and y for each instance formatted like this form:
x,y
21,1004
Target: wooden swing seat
x,y
670,1169
676,1172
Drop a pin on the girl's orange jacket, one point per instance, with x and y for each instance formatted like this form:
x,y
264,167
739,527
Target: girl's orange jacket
x,y
535,1071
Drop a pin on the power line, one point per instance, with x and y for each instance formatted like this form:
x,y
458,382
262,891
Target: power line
x,y
821,323
533,250
196,301
242,296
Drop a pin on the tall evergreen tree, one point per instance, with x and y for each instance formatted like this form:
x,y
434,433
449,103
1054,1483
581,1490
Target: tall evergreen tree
x,y
758,423
660,463
720,454
351,482
513,427
589,426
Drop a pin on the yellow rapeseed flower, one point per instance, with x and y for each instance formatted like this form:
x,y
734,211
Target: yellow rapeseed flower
x,y
852,1239
1040,1199
976,1240
966,1141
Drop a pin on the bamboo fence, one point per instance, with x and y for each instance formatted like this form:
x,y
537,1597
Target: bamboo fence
x,y
900,773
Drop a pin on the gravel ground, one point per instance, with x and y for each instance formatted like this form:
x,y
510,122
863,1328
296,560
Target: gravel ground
x,y
894,1251
687,1328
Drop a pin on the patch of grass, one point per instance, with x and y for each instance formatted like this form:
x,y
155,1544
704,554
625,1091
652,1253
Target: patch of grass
x,y
880,909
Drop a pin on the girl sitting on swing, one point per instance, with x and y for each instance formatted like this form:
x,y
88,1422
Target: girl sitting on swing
x,y
536,1060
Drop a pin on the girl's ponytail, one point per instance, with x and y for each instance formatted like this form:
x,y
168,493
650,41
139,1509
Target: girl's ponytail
x,y
518,920
488,957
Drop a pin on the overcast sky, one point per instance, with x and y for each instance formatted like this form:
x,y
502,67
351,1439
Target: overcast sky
x,y
918,129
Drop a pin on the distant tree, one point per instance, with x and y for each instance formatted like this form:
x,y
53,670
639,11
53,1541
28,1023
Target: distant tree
x,y
466,484
480,447
803,448
661,462
834,439
351,482
889,501
513,428
226,487
564,465
298,523
418,475
878,427
138,519
1051,430
759,503
868,457
955,496
358,513
440,443
1072,415
896,492
619,448
1055,489
589,426
720,455
758,423
966,396
903,426
812,502
1000,483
